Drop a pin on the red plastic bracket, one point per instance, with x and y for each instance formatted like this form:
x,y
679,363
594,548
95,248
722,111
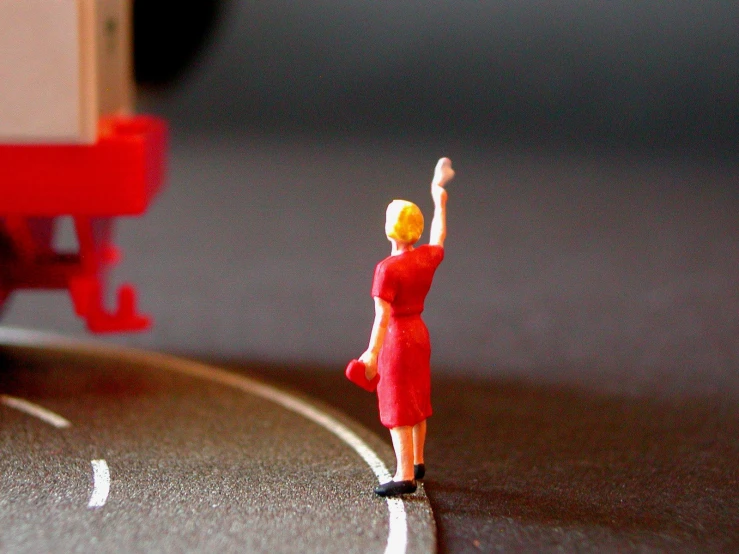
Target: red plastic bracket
x,y
118,175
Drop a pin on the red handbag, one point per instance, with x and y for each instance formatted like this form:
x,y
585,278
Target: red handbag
x,y
355,373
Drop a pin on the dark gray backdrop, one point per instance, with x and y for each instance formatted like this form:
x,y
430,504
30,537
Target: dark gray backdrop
x,y
593,226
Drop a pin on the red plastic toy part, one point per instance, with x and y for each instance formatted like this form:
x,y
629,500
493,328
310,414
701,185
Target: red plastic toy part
x,y
355,372
119,175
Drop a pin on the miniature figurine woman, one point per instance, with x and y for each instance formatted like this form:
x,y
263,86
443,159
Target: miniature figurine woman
x,y
399,349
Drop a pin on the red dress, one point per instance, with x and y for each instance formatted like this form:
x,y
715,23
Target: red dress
x,y
404,390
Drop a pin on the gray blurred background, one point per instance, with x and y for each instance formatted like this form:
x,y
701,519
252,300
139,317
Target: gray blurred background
x,y
593,228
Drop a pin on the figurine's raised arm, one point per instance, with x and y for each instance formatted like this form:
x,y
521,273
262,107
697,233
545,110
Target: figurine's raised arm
x,y
442,175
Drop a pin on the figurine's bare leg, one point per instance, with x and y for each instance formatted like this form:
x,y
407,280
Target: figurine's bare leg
x,y
403,445
419,438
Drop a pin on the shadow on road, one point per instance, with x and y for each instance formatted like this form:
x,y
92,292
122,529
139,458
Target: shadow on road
x,y
526,465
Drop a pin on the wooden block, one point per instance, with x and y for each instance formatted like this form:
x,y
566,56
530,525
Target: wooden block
x,y
64,63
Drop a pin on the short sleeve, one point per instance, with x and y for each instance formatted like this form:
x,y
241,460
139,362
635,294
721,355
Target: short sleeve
x,y
435,254
383,285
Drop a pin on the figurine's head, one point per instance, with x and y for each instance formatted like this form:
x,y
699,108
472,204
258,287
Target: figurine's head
x,y
403,221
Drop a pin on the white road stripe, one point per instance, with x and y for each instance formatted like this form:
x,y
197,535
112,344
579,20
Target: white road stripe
x,y
397,541
35,410
101,484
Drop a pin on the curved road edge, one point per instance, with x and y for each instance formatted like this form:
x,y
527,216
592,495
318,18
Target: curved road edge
x,y
412,528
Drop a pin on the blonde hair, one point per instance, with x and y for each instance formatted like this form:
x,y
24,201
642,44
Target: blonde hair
x,y
403,221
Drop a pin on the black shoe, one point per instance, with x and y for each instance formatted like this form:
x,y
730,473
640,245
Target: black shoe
x,y
395,488
419,470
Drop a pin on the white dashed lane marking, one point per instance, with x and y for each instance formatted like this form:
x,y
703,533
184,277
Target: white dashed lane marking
x,y
101,484
35,410
100,471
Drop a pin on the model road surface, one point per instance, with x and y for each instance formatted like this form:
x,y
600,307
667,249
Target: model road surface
x,y
111,450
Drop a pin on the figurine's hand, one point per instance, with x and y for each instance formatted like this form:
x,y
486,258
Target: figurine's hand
x,y
442,174
369,359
